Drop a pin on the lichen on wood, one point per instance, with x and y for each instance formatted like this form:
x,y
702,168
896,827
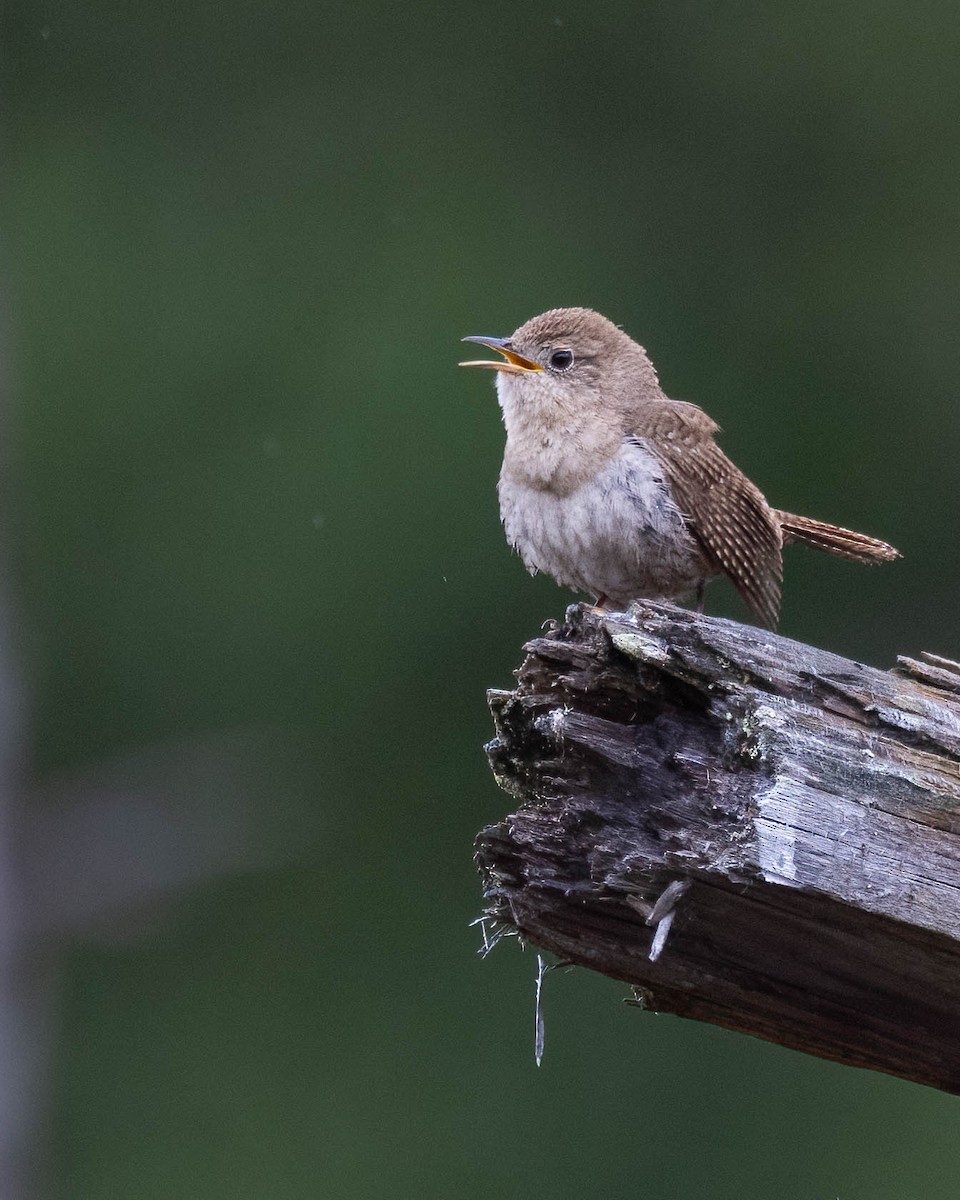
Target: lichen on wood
x,y
749,830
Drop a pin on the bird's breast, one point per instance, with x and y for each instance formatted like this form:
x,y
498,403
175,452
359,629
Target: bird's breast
x,y
619,533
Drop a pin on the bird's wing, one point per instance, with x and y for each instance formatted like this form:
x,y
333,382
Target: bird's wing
x,y
728,515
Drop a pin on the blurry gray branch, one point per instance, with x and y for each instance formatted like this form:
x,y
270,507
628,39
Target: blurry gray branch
x,y
101,851
749,830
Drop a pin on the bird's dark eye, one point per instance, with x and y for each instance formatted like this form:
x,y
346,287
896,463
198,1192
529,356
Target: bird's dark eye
x,y
561,360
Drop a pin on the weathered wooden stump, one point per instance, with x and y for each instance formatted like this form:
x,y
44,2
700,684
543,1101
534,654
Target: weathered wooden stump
x,y
751,831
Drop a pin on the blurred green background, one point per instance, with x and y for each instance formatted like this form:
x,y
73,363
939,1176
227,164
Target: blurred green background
x,y
251,489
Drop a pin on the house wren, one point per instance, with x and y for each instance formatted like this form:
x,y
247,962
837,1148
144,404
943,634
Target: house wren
x,y
616,490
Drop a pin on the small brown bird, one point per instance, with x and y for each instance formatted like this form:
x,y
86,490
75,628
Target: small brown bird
x,y
616,490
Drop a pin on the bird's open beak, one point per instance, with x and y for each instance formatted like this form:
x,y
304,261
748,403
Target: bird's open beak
x,y
514,364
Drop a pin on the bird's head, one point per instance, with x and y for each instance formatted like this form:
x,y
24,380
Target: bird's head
x,y
567,364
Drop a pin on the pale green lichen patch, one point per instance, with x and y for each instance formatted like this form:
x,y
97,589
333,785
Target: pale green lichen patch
x,y
639,646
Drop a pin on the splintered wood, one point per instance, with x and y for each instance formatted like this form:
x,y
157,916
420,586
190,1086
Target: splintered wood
x,y
750,831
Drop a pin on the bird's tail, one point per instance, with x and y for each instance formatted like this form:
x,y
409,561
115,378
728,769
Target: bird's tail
x,y
836,540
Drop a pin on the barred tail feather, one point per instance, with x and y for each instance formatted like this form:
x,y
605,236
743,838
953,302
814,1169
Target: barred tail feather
x,y
845,542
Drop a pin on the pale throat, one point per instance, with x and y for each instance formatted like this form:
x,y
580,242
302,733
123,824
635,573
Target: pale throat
x,y
552,445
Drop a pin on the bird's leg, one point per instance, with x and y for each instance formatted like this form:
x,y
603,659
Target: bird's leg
x,y
600,601
700,590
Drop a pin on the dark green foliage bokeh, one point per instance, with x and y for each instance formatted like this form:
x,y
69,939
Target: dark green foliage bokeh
x,y
241,243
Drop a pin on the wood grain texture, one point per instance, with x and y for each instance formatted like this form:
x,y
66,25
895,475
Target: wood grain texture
x,y
751,831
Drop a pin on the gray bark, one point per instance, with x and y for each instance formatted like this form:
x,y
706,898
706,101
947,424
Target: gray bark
x,y
749,830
